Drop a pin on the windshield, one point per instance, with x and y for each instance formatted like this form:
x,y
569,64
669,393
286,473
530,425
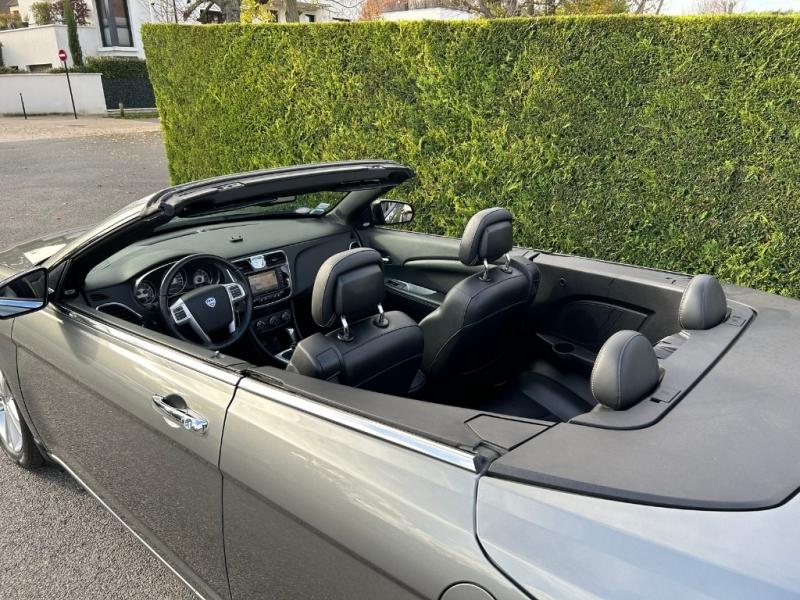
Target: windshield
x,y
309,205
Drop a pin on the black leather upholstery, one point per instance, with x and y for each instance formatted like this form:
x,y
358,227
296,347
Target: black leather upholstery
x,y
381,359
383,356
479,320
349,284
626,370
703,304
487,236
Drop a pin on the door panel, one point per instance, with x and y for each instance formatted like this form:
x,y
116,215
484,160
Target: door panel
x,y
428,261
90,396
316,510
586,301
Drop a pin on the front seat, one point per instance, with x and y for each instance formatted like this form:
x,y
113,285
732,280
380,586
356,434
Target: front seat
x,y
483,316
372,350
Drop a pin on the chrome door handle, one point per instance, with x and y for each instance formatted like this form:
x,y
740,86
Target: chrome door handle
x,y
180,417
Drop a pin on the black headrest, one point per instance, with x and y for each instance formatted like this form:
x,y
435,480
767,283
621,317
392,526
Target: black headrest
x,y
348,284
703,304
626,370
486,236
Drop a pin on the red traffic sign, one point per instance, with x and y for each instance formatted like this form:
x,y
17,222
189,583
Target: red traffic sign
x,y
62,55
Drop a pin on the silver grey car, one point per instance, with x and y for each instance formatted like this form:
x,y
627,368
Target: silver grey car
x,y
285,393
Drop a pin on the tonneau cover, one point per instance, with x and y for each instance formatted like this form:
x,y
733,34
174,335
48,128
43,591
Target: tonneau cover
x,y
732,443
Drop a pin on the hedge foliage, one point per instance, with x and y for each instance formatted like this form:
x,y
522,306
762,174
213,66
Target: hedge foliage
x,y
667,142
117,68
111,67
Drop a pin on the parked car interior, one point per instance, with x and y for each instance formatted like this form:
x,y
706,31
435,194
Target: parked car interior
x,y
330,285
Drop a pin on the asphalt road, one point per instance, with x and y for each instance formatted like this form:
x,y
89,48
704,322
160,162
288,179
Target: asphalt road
x,y
56,541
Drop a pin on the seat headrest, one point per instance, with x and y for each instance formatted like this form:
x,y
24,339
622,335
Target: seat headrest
x,y
703,304
349,284
486,236
626,370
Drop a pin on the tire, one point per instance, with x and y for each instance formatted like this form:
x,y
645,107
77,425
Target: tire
x,y
15,437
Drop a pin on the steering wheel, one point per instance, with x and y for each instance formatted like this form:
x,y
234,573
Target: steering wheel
x,y
218,314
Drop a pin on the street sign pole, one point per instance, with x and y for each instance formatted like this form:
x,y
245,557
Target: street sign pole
x,y
62,56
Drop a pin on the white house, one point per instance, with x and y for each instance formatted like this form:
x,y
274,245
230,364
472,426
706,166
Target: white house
x,y
114,28
423,10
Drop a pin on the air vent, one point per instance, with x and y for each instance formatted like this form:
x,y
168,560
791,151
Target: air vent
x,y
243,266
98,297
276,258
115,309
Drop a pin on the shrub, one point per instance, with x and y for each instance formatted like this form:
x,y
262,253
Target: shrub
x,y
117,68
42,13
667,142
79,8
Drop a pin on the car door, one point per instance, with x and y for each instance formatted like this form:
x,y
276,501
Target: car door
x,y
419,268
322,503
89,387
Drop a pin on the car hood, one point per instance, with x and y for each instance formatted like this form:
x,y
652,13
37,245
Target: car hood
x,y
33,252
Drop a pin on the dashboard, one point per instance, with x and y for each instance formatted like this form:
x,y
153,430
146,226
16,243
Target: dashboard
x,y
146,287
279,257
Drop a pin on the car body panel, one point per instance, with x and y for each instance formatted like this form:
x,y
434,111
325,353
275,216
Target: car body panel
x,y
319,494
562,545
89,393
374,519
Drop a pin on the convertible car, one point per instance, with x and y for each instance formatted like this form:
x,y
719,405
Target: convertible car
x,y
286,394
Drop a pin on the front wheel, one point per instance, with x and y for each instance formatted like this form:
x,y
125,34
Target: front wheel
x,y
15,437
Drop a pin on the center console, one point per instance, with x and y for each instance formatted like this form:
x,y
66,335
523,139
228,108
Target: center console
x,y
269,277
270,281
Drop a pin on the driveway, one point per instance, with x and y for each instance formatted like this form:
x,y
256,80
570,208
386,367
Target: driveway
x,y
56,541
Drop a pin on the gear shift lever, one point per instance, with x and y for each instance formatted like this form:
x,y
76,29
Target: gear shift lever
x,y
292,337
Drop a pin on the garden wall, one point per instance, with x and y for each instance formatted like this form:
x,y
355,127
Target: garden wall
x,y
48,93
665,142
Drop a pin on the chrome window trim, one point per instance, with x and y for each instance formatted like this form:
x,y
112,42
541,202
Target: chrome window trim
x,y
102,502
382,431
155,348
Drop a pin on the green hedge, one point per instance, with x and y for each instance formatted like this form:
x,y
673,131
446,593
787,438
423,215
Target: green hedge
x,y
111,67
666,142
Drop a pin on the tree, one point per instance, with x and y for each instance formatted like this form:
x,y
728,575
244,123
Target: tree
x,y
254,11
592,7
231,9
292,14
42,13
726,7
72,34
79,8
642,7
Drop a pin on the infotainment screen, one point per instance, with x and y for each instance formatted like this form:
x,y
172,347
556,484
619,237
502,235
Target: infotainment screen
x,y
263,282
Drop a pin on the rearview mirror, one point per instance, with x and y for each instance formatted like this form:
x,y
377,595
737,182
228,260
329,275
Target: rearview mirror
x,y
23,293
391,212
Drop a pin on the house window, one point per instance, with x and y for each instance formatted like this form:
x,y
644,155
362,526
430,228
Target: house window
x,y
338,20
116,31
310,18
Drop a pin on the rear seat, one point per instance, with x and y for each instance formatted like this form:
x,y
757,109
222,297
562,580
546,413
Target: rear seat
x,y
703,306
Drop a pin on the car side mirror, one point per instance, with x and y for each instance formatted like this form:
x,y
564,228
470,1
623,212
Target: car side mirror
x,y
23,293
391,212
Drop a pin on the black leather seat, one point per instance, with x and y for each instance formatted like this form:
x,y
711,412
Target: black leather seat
x,y
371,350
703,306
482,317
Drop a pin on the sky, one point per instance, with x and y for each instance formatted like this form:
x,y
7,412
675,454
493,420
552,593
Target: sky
x,y
682,7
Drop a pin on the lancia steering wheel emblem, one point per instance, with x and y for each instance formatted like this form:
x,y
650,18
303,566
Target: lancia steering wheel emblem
x,y
211,302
